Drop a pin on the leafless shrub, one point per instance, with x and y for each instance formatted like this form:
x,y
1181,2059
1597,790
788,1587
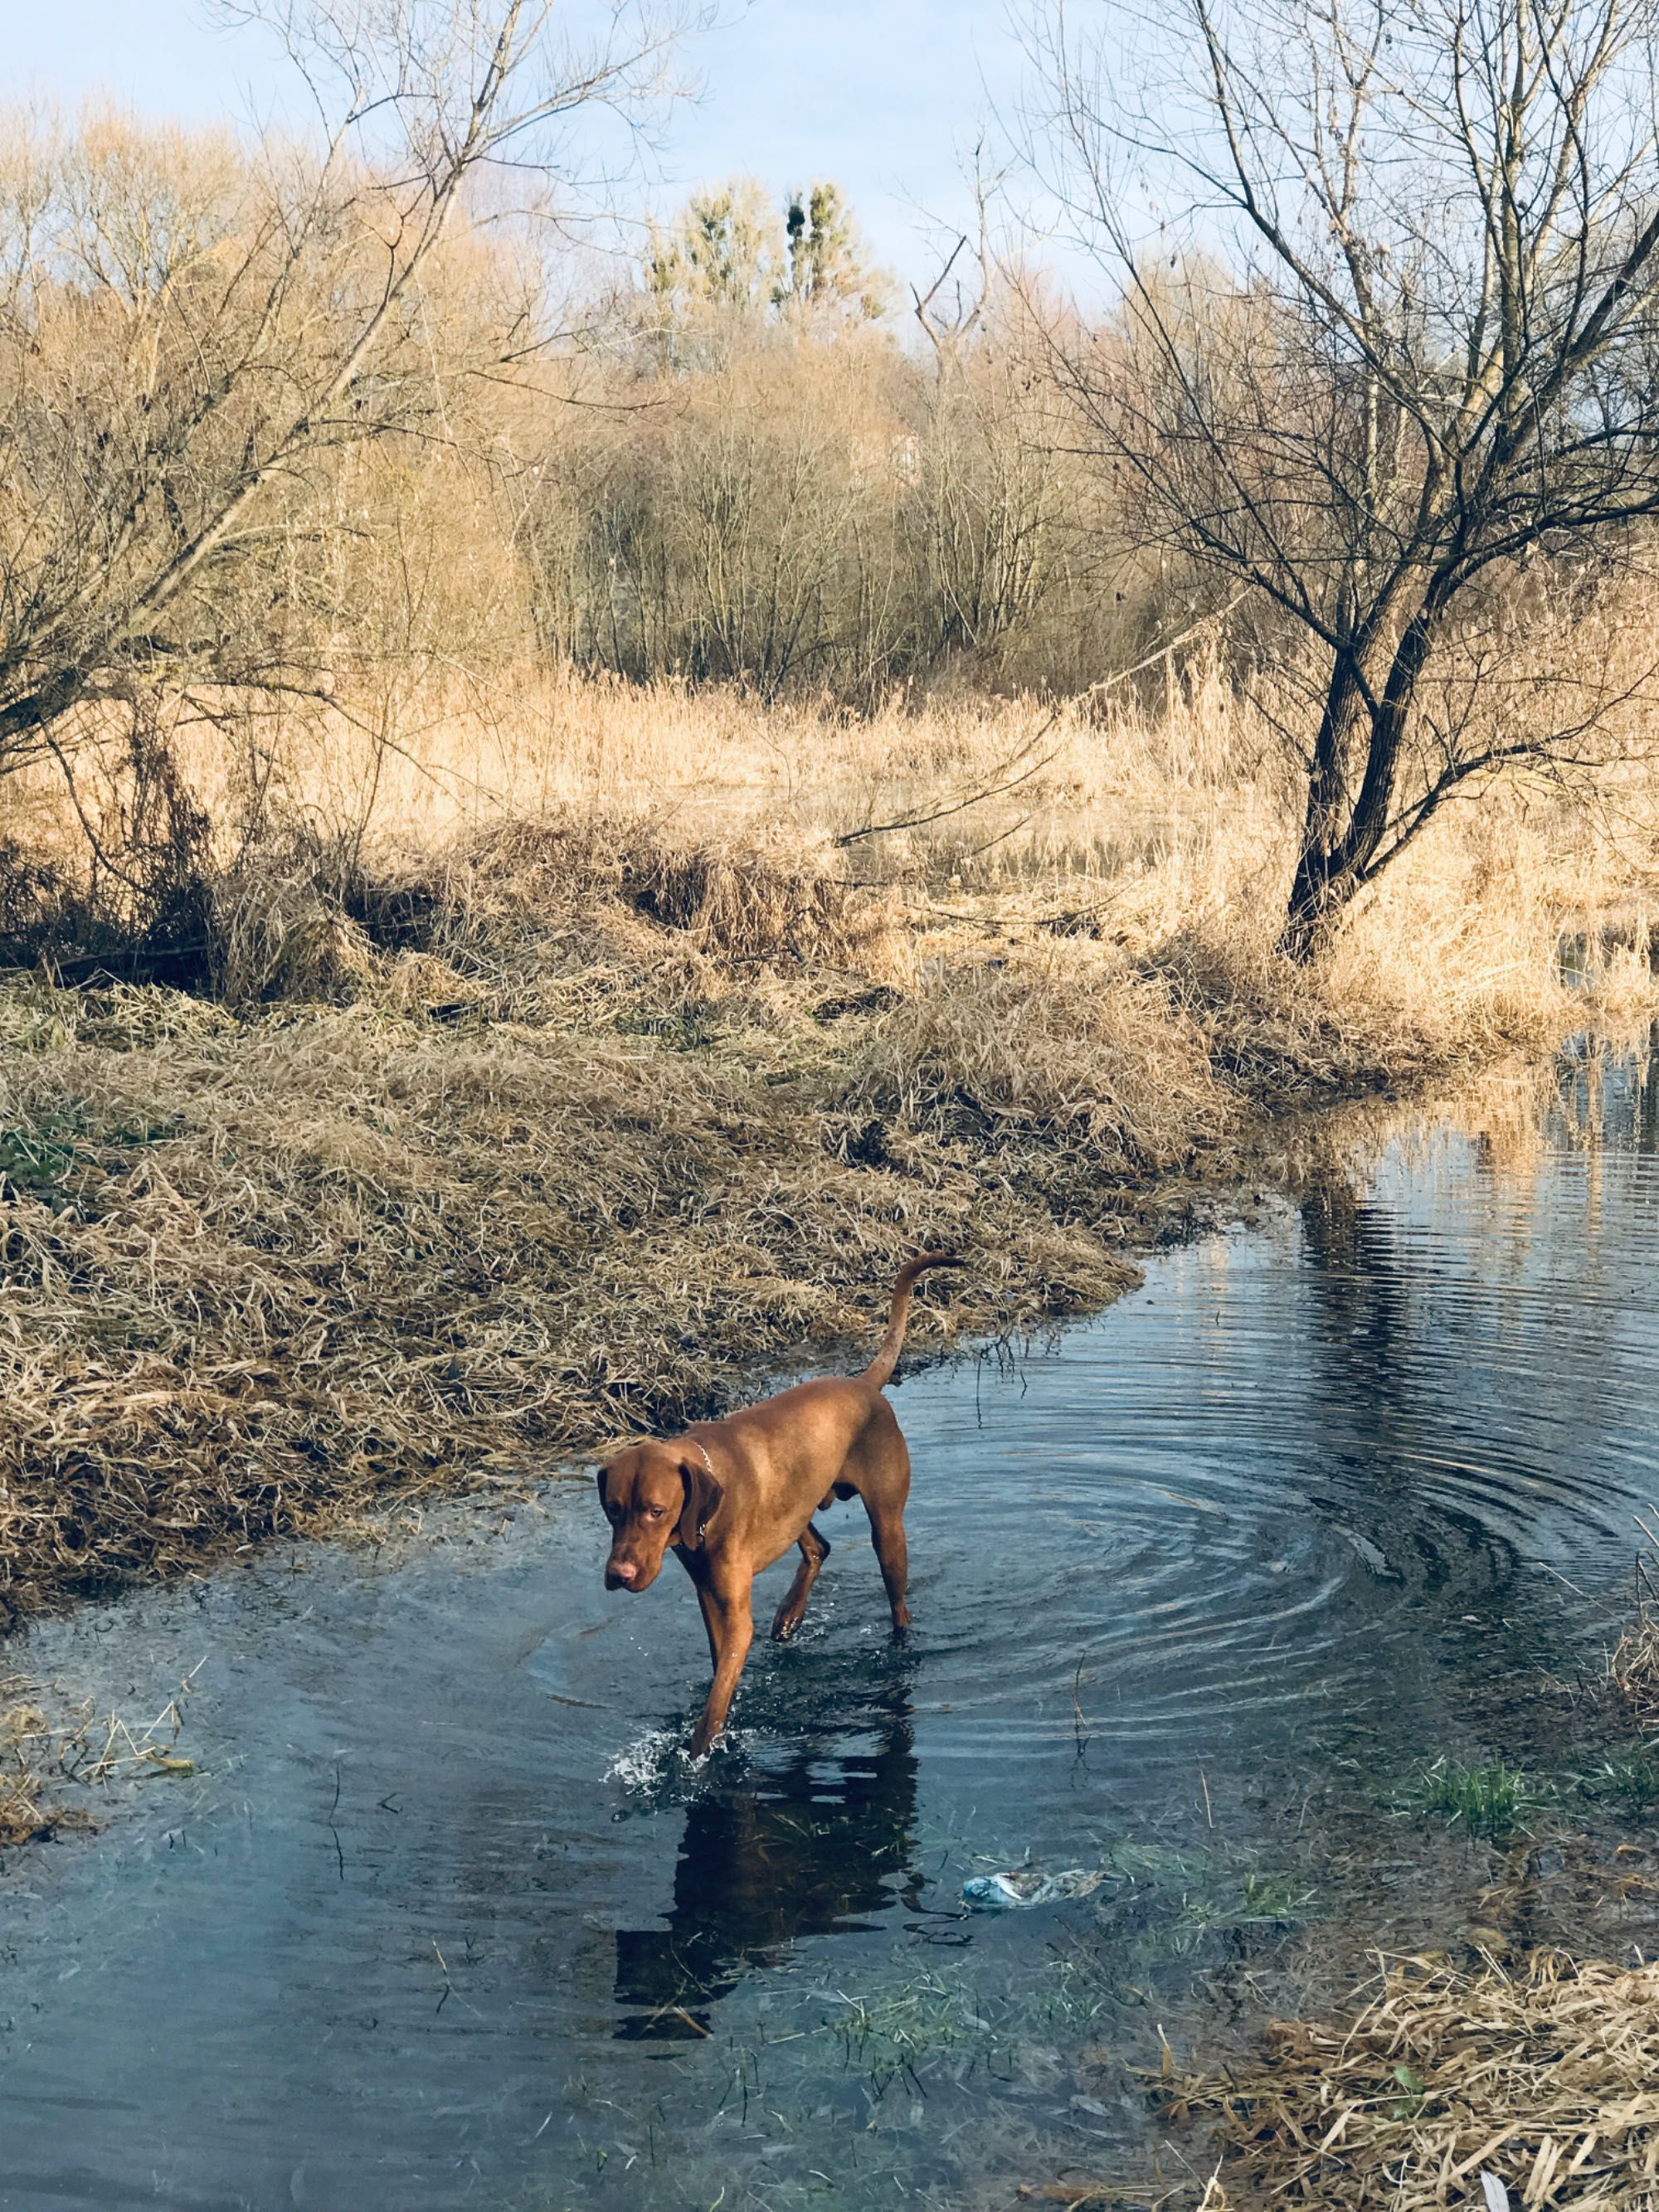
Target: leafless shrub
x,y
197,340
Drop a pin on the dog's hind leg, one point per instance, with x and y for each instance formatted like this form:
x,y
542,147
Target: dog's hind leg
x,y
814,1551
884,1485
893,1556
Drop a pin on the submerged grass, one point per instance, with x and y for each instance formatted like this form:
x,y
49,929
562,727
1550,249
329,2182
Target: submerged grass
x,y
1488,1797
1629,1779
25,1814
54,1754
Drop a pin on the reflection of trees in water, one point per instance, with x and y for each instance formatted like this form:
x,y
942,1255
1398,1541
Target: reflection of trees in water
x,y
1367,1424
807,1849
1458,1399
1647,1096
1606,1093
1401,1383
1620,1092
1350,1247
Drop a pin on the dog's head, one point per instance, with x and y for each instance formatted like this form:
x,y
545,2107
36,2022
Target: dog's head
x,y
653,1495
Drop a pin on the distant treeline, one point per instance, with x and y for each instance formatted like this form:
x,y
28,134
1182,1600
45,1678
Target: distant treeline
x,y
770,472
229,463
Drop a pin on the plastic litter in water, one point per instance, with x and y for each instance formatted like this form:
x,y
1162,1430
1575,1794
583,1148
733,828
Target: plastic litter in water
x,y
997,1893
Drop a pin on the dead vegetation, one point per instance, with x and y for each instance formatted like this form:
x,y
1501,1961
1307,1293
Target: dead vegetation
x,y
23,1816
54,1754
1541,2080
1633,1663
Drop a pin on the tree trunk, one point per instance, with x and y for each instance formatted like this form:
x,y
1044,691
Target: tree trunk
x,y
1318,896
1337,858
1325,820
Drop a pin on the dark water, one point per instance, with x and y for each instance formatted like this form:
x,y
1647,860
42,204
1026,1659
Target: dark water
x,y
443,1919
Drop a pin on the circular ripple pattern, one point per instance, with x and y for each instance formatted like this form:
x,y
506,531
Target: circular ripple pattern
x,y
1300,1478
1289,1470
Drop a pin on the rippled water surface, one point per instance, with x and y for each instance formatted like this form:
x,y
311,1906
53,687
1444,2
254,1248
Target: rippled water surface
x,y
443,1918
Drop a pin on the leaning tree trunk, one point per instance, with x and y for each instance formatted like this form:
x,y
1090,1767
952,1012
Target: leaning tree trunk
x,y
1343,847
1315,890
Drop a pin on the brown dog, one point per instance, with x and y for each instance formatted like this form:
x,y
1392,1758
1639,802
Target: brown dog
x,y
732,1495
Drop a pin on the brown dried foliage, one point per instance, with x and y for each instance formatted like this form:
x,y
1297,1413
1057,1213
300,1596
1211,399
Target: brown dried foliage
x,y
1633,1663
559,1135
577,1118
1545,2081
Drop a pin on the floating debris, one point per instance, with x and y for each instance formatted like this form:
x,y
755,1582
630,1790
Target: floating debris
x,y
999,1893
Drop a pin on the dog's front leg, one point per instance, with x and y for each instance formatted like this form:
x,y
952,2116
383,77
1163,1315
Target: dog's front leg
x,y
711,1622
732,1629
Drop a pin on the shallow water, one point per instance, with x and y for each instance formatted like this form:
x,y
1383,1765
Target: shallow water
x,y
445,1918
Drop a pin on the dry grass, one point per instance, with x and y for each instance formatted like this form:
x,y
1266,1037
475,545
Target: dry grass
x,y
24,1814
1633,1663
49,1747
1545,2082
521,1118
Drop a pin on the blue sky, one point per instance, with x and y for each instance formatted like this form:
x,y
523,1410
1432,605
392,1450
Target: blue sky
x,y
886,99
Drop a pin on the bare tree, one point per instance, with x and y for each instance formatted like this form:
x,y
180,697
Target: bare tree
x,y
1386,355
190,335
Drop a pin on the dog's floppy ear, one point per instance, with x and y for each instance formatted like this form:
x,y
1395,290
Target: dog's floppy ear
x,y
600,1475
702,1496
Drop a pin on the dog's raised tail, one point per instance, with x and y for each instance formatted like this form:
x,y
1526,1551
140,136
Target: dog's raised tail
x,y
879,1372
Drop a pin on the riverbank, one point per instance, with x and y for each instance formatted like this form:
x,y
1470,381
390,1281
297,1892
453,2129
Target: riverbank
x,y
467,1153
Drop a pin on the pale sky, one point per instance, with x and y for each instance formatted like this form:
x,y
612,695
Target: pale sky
x,y
885,96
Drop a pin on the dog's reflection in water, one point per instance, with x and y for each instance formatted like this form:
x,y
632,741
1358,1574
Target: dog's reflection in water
x,y
815,1845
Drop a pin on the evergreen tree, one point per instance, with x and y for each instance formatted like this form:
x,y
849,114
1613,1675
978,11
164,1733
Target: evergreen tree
x,y
730,254
827,258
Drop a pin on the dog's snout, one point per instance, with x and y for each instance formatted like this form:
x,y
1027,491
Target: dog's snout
x,y
620,1573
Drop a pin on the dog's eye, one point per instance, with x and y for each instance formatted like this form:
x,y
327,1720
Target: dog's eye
x,y
653,1513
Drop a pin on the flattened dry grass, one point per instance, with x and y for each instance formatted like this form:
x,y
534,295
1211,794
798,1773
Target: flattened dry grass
x,y
1546,2081
561,1168
590,1126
